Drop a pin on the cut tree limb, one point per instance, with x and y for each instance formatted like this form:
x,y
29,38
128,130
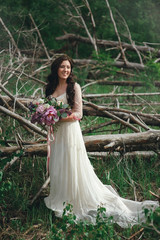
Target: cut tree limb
x,y
82,62
150,119
118,64
108,43
116,31
23,121
118,83
41,189
102,95
11,37
98,126
128,142
40,37
150,139
111,115
9,164
79,15
13,98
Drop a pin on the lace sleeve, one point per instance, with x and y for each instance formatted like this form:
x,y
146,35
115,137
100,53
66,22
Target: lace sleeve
x,y
77,108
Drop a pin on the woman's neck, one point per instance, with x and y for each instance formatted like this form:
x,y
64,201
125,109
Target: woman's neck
x,y
62,83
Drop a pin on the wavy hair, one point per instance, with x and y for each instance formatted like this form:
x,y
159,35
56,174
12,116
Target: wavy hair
x,y
53,79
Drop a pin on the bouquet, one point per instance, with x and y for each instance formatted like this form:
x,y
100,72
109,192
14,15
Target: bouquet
x,y
48,111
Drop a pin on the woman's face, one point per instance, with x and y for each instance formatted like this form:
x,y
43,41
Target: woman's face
x,y
64,70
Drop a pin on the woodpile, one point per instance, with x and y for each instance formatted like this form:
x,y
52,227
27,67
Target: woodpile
x,y
137,133
23,66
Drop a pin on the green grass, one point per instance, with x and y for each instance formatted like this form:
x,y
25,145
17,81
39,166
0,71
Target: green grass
x,y
21,220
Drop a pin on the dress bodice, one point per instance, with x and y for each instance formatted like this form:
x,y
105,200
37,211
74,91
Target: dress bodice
x,y
62,98
77,108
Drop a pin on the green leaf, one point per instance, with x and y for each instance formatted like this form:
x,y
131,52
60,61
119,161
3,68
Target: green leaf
x,y
58,113
64,115
65,105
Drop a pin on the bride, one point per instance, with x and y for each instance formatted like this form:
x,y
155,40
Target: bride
x,y
72,178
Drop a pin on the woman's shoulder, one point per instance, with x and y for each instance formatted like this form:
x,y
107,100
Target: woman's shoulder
x,y
77,86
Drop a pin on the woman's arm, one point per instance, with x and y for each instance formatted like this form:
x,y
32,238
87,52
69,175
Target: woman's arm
x,y
77,111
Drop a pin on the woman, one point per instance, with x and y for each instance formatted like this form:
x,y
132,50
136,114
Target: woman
x,y
72,178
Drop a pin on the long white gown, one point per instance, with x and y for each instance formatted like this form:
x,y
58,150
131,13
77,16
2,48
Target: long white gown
x,y
73,180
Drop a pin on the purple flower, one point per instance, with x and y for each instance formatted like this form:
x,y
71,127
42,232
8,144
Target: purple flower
x,y
35,117
31,107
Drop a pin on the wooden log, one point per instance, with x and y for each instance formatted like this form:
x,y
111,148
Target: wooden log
x,y
118,64
111,95
108,43
128,155
129,142
147,119
82,62
37,149
111,115
124,142
120,83
23,121
46,183
116,83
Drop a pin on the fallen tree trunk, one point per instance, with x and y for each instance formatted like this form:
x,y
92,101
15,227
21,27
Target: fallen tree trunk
x,y
128,155
149,119
107,95
120,83
129,142
118,64
24,121
149,140
108,43
26,101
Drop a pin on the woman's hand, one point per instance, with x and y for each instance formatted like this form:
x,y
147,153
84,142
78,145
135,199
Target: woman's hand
x,y
69,118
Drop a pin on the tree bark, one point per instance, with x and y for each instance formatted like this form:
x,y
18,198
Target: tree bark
x,y
102,95
149,140
118,64
129,142
23,121
107,43
148,119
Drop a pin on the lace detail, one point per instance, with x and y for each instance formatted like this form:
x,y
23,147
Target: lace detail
x,y
77,108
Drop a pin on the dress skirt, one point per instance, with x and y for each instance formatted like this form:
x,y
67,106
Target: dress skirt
x,y
73,181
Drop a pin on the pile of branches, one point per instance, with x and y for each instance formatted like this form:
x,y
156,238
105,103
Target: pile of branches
x,y
27,70
26,67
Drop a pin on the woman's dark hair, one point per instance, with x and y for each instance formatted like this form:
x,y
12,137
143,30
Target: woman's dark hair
x,y
53,79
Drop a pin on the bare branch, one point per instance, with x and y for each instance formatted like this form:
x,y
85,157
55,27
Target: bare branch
x,y
113,116
130,38
41,189
116,31
23,121
92,39
13,98
11,37
40,37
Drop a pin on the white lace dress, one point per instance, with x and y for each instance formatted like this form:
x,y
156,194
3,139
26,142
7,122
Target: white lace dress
x,y
73,180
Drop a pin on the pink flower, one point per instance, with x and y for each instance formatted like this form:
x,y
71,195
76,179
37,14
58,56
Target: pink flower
x,y
40,108
50,116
